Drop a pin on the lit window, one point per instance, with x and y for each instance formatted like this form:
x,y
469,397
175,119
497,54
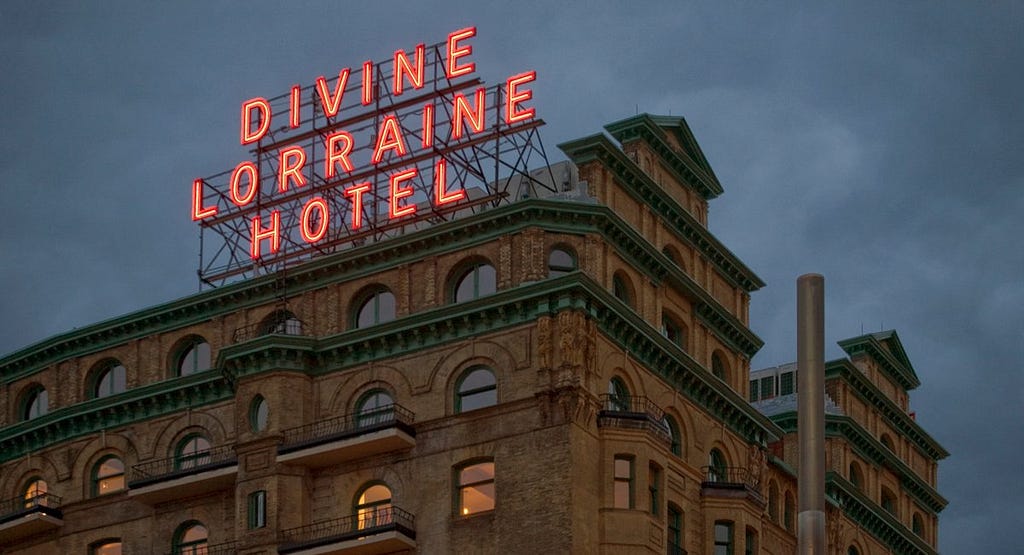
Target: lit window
x,y
373,508
192,452
259,414
476,389
618,395
677,438
717,467
195,357
108,476
623,485
476,281
375,407
621,289
36,493
191,539
36,403
560,262
257,517
476,488
654,487
723,537
378,307
107,547
110,380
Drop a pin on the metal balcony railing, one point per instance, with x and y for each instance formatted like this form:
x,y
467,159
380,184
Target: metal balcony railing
x,y
383,519
728,475
289,326
633,412
45,503
348,425
181,465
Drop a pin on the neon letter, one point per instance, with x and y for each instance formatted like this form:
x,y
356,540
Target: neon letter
x,y
403,68
389,138
294,117
398,192
198,210
334,155
441,194
331,102
455,52
314,235
263,108
514,97
428,125
355,193
259,233
293,158
249,169
463,111
367,82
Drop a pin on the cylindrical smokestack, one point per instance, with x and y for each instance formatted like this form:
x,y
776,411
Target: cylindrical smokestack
x,y
810,365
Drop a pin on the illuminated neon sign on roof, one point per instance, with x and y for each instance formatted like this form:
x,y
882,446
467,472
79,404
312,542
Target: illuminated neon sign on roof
x,y
409,140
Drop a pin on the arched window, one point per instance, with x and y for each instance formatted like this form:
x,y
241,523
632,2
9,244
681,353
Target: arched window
x,y
36,493
717,466
917,525
773,502
476,488
673,256
887,442
374,407
852,551
476,389
622,289
856,476
673,432
560,262
193,357
373,507
281,322
193,451
109,546
108,476
788,512
474,282
35,403
376,307
109,379
191,539
618,395
674,331
718,366
888,500
259,414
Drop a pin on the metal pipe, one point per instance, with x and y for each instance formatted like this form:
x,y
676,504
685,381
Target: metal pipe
x,y
810,364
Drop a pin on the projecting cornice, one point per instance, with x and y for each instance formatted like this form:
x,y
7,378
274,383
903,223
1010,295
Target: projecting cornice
x,y
640,186
878,522
894,363
689,167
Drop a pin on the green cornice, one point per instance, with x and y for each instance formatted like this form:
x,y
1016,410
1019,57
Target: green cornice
x,y
872,450
869,344
456,235
111,412
687,169
877,521
638,184
897,418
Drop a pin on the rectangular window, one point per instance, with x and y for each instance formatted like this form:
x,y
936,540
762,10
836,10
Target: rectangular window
x,y
654,485
257,509
750,547
753,391
623,483
723,537
675,530
768,387
786,384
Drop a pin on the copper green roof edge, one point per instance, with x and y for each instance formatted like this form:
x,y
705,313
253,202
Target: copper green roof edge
x,y
783,466
317,273
872,450
873,518
89,417
896,346
681,128
686,170
643,189
870,345
867,391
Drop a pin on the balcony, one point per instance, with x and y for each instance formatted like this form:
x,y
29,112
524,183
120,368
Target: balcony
x,y
730,482
633,413
21,517
386,530
176,477
275,326
349,437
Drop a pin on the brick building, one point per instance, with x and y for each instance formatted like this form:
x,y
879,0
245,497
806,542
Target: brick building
x,y
567,374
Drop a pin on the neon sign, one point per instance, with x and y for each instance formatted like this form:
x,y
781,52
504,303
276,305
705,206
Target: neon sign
x,y
410,140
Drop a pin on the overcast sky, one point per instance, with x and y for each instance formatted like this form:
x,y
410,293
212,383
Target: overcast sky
x,y
877,145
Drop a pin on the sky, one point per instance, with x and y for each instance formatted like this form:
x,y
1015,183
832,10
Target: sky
x,y
876,144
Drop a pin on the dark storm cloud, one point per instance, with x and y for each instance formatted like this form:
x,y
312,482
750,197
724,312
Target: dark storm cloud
x,y
877,145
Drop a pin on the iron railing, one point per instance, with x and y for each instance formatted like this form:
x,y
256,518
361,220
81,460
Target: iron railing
x,y
633,412
383,519
41,502
348,425
181,465
289,326
728,475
